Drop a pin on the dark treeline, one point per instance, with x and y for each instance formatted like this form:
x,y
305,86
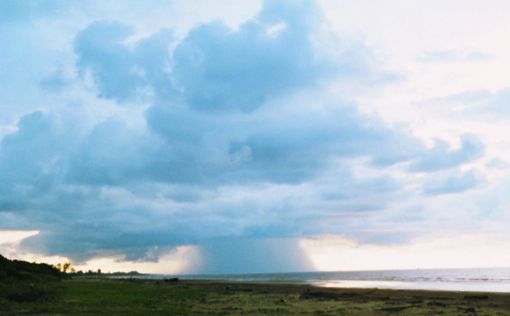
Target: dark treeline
x,y
23,270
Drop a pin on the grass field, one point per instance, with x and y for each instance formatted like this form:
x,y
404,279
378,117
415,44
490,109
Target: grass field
x,y
139,297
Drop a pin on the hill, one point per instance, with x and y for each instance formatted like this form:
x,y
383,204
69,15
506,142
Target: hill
x,y
22,281
26,271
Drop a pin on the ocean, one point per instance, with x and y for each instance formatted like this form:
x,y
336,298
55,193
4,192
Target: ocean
x,y
470,280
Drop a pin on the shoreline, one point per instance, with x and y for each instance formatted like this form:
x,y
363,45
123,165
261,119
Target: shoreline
x,y
466,286
296,285
467,280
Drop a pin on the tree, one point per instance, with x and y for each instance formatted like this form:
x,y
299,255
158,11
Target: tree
x,y
66,267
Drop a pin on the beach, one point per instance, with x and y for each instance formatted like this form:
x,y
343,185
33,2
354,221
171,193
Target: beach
x,y
201,297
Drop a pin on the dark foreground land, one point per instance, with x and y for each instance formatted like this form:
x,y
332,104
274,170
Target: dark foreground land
x,y
172,297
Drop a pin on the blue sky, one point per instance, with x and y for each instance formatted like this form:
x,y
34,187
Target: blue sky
x,y
209,137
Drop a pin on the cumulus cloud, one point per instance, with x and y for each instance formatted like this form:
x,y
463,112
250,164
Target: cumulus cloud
x,y
237,140
216,68
119,71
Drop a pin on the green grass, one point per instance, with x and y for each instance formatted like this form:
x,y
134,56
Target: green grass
x,y
95,297
124,298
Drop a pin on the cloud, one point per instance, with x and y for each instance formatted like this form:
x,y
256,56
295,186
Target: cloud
x,y
441,56
110,189
329,252
441,156
484,102
453,184
217,68
225,138
118,71
451,56
14,11
285,144
30,159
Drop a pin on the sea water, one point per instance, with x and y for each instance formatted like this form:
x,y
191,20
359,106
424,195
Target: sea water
x,y
475,280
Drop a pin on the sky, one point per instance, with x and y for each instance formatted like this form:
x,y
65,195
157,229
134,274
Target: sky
x,y
255,136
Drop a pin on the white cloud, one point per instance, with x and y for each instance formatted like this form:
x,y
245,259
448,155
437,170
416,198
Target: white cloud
x,y
337,253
